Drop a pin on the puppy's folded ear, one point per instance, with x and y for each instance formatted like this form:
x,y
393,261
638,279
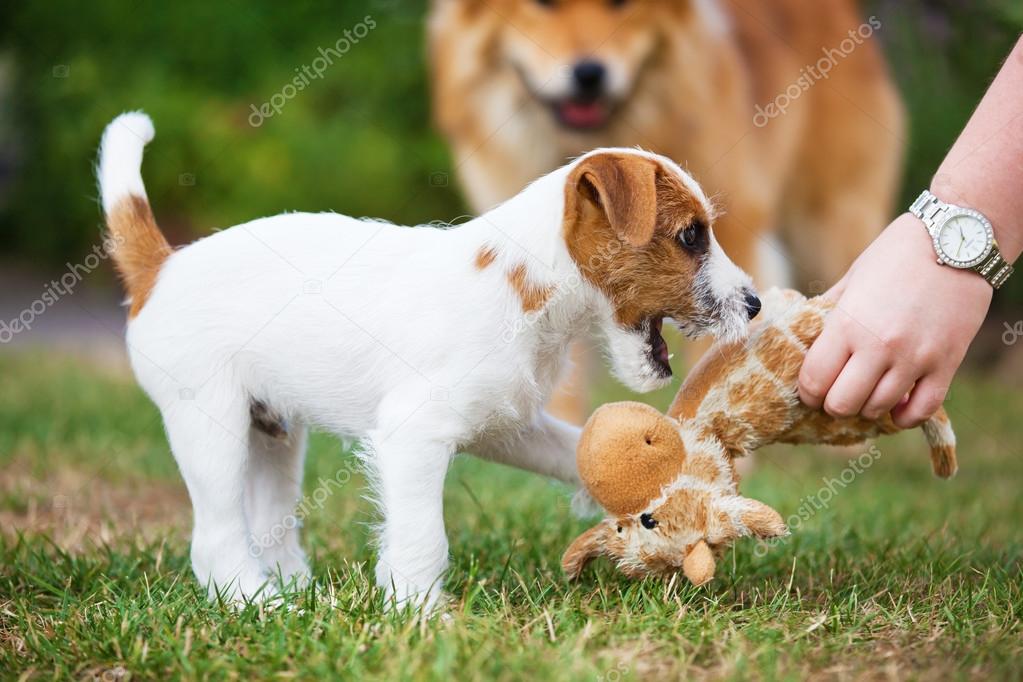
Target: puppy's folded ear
x,y
624,187
584,549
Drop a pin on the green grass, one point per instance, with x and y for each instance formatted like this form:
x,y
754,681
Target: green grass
x,y
901,574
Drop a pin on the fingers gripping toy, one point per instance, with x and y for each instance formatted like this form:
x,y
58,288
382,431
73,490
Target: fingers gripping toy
x,y
668,482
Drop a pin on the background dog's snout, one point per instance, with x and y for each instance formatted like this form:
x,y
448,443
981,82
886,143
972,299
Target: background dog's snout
x,y
589,76
752,304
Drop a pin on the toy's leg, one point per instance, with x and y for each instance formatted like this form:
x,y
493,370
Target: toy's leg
x,y
274,479
546,447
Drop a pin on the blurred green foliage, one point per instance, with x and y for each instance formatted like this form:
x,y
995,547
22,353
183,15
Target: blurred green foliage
x,y
359,140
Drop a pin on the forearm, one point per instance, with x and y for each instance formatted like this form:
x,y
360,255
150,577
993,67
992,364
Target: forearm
x,y
984,168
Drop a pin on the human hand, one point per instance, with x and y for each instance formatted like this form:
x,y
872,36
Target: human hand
x,y
898,333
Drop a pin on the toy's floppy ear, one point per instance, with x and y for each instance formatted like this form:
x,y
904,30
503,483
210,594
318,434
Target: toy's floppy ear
x,y
584,549
698,565
762,521
741,517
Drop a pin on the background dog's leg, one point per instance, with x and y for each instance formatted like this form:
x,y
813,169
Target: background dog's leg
x,y
274,488
209,437
547,447
409,477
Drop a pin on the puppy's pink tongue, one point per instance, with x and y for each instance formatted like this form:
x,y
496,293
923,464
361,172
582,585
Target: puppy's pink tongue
x,y
583,114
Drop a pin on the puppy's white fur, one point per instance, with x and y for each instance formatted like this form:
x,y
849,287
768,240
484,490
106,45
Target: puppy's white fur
x,y
373,331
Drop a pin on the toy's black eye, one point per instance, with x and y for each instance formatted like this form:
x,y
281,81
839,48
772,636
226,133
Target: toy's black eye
x,y
619,529
648,521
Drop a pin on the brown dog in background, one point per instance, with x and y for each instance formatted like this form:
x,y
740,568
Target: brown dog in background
x,y
783,109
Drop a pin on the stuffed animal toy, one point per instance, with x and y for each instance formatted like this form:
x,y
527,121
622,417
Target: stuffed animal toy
x,y
668,482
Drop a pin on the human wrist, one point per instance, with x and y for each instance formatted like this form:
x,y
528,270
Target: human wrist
x,y
911,236
971,192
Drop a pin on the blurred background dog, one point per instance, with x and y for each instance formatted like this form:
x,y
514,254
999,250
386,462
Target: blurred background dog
x,y
784,110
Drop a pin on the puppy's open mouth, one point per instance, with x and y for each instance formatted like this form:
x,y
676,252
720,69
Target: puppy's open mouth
x,y
659,355
580,114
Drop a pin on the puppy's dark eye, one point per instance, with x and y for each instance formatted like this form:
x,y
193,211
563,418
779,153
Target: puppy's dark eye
x,y
648,521
694,236
688,237
619,529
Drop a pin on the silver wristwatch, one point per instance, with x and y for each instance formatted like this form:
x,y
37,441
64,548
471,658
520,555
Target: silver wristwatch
x,y
962,238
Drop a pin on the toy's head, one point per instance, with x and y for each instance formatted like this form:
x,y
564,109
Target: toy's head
x,y
670,496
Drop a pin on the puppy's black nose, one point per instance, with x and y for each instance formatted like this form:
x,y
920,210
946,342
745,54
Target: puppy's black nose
x,y
589,76
752,304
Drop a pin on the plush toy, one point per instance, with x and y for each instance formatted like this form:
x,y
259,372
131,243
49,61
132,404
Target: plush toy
x,y
668,482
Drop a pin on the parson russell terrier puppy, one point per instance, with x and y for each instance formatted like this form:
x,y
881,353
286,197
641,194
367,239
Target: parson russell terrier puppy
x,y
422,342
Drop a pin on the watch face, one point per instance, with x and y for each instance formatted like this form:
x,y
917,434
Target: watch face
x,y
964,239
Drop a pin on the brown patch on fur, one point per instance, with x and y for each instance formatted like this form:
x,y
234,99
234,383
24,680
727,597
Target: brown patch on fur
x,y
138,248
733,433
807,327
484,257
707,374
780,356
533,296
943,460
683,510
703,468
622,217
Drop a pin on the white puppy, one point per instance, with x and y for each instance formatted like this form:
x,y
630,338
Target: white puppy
x,y
422,342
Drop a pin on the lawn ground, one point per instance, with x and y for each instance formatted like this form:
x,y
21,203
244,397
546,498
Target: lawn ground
x,y
892,573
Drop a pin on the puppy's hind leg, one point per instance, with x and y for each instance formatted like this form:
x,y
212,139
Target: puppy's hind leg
x,y
274,489
209,435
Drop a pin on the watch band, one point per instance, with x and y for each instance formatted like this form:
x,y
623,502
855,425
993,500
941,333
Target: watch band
x,y
932,211
929,208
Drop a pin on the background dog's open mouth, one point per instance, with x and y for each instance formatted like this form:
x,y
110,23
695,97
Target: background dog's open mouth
x,y
658,346
582,114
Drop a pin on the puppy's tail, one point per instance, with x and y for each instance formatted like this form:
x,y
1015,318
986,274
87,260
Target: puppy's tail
x,y
135,243
938,431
